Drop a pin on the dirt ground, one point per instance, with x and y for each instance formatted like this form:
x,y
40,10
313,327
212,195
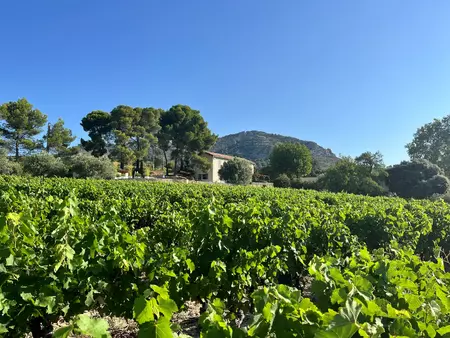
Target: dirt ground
x,y
124,328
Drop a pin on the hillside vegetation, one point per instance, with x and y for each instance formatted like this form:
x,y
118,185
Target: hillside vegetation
x,y
294,263
257,146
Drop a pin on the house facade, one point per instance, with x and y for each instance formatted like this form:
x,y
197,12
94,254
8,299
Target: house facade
x,y
216,162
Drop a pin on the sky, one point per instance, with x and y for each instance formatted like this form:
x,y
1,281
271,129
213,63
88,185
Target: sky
x,y
352,76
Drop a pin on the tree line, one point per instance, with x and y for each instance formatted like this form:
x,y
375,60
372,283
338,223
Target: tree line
x,y
21,126
178,136
424,176
128,135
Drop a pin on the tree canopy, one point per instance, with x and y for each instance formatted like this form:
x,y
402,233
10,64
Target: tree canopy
x,y
349,175
184,132
292,159
98,126
236,171
58,138
134,132
20,125
371,161
417,179
432,142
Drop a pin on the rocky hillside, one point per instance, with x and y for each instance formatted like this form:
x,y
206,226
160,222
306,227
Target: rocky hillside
x,y
257,145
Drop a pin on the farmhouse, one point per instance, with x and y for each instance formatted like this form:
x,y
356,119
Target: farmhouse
x,y
216,160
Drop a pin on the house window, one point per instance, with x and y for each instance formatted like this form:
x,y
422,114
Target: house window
x,y
199,177
205,176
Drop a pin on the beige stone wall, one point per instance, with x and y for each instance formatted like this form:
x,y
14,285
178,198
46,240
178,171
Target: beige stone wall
x,y
213,173
217,164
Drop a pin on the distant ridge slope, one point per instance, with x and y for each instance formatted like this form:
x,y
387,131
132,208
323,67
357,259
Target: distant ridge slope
x,y
257,146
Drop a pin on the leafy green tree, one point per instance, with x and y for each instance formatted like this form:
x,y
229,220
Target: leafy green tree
x,y
20,125
44,164
432,142
84,165
200,163
184,132
417,179
98,126
371,161
292,159
58,138
134,130
236,171
349,176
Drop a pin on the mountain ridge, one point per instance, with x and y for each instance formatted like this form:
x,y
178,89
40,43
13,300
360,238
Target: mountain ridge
x,y
257,145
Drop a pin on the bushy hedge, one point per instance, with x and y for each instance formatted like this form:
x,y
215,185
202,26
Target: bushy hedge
x,y
282,181
417,179
298,183
44,164
8,167
236,171
351,177
84,165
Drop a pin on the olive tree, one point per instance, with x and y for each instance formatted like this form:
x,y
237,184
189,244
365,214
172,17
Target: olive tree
x,y
236,171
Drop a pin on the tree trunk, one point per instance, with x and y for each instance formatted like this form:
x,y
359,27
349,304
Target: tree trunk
x,y
153,153
165,158
136,167
175,166
182,168
17,150
48,136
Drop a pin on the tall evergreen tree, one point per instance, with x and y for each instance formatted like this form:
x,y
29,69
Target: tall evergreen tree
x,y
134,130
98,126
58,138
20,125
186,132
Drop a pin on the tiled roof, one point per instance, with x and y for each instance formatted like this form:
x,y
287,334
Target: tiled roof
x,y
217,155
224,157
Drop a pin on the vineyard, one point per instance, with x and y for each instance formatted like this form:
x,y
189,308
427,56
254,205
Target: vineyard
x,y
262,262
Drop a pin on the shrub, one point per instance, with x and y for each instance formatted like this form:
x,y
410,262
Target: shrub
x,y
259,177
436,185
8,167
347,176
437,197
236,171
84,165
298,183
44,164
417,179
282,181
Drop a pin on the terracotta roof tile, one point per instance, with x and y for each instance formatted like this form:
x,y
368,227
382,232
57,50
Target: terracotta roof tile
x,y
223,156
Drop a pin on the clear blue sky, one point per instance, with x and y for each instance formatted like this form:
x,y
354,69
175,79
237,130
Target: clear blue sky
x,y
350,75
